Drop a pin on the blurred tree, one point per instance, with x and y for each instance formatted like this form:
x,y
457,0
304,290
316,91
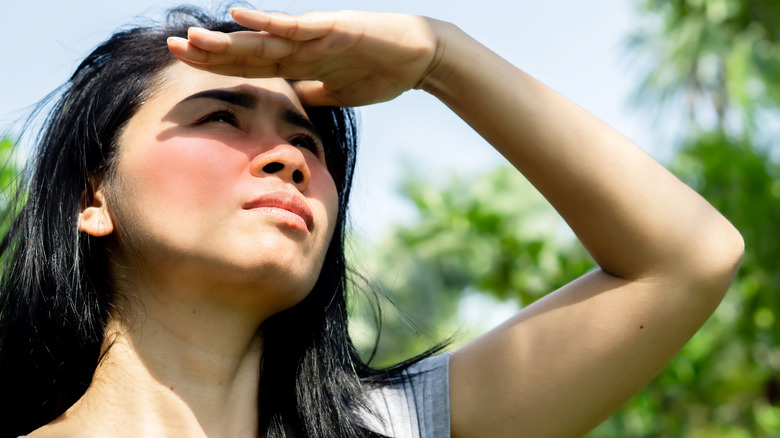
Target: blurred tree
x,y
492,234
715,64
9,178
713,75
725,382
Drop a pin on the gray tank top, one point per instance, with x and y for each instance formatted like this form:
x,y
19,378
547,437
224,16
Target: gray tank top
x,y
418,407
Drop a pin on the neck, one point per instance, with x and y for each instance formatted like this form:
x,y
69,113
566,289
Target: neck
x,y
171,370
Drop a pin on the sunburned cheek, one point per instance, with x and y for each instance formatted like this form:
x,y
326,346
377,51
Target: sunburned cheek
x,y
180,172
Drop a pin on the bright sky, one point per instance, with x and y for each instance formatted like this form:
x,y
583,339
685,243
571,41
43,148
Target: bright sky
x,y
574,46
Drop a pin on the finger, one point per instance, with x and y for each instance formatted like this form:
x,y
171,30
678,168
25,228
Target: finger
x,y
303,27
182,49
236,65
238,70
249,44
272,70
314,93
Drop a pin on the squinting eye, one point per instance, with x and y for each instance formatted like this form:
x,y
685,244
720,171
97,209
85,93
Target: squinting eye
x,y
307,142
221,116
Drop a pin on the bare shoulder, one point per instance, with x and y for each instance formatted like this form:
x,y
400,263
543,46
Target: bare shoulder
x,y
47,432
59,428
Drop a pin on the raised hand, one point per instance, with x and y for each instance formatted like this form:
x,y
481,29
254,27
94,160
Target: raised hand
x,y
342,58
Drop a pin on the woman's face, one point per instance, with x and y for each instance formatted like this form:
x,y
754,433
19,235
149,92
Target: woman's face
x,y
221,185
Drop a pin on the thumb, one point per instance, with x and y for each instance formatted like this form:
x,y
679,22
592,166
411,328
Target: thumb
x,y
314,93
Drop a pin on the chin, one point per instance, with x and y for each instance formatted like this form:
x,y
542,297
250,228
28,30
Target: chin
x,y
280,285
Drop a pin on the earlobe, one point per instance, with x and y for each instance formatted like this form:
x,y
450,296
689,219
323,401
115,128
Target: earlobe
x,y
94,217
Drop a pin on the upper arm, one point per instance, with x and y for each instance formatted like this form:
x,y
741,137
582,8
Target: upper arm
x,y
567,362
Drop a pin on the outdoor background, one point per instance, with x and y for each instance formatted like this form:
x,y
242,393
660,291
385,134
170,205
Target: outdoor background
x,y
458,241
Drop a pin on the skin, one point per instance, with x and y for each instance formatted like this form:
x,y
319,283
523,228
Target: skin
x,y
205,270
564,364
184,182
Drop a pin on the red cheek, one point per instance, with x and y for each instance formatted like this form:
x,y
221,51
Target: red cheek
x,y
192,172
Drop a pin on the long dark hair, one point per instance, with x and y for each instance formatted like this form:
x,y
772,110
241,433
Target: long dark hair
x,y
55,291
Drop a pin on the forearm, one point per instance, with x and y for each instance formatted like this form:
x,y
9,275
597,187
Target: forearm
x,y
634,217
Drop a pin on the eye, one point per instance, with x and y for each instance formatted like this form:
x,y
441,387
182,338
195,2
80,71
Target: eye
x,y
225,115
309,142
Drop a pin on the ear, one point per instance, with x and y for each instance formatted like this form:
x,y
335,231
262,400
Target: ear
x,y
94,217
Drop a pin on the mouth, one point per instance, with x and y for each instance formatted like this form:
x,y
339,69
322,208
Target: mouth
x,y
285,208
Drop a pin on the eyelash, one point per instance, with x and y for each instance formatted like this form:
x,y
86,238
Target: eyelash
x,y
311,143
227,115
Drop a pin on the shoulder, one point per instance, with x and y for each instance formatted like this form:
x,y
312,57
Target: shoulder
x,y
56,429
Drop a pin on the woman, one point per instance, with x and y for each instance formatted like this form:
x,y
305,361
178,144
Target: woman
x,y
189,278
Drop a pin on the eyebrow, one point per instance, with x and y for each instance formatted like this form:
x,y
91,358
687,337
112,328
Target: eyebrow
x,y
249,101
238,98
295,118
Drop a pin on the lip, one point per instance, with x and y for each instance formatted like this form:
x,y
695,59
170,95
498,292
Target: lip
x,y
283,200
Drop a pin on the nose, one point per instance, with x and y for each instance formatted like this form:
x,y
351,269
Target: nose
x,y
284,161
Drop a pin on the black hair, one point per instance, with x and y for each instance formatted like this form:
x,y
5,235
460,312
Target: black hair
x,y
55,292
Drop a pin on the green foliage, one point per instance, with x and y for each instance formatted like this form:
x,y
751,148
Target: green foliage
x,y
492,234
710,58
724,56
9,179
726,380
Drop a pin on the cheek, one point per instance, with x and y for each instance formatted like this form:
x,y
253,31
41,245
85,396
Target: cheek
x,y
186,173
326,194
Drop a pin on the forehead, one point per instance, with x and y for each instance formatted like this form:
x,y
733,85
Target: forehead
x,y
180,81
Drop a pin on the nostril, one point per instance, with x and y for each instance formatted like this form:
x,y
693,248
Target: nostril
x,y
297,177
274,167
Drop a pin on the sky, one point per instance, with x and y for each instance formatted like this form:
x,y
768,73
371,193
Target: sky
x,y
575,47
